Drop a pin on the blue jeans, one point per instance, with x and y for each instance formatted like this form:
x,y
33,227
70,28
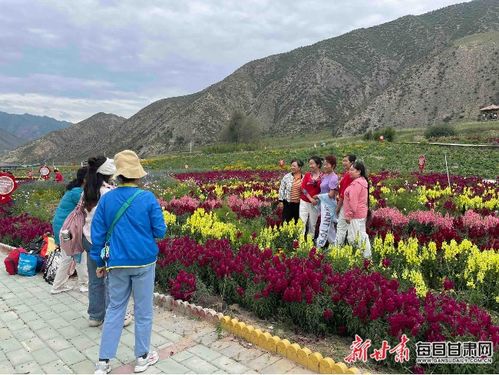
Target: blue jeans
x,y
122,282
97,292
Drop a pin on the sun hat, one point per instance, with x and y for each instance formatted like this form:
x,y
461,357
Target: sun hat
x,y
107,168
128,165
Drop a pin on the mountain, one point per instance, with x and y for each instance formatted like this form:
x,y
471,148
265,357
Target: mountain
x,y
417,70
87,138
9,141
29,127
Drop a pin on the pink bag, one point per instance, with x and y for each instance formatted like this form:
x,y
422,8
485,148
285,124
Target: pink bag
x,y
70,236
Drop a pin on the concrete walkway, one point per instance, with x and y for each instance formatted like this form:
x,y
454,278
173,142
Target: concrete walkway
x,y
44,333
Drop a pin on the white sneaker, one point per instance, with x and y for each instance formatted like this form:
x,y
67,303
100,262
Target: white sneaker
x,y
143,363
128,319
95,323
102,367
83,288
65,288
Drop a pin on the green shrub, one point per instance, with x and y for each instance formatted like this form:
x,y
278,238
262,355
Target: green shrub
x,y
439,131
241,129
387,133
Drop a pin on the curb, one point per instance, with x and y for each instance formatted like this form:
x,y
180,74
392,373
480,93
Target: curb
x,y
264,340
4,248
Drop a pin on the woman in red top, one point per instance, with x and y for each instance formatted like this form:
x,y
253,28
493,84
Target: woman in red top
x,y
311,186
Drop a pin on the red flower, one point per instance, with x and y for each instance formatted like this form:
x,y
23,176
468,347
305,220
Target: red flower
x,y
328,314
448,284
367,264
386,262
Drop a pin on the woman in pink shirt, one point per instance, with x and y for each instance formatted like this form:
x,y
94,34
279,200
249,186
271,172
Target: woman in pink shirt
x,y
356,204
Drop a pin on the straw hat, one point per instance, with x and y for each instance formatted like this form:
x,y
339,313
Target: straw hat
x,y
128,165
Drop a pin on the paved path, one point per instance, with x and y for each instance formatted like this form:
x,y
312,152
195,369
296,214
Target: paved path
x,y
44,333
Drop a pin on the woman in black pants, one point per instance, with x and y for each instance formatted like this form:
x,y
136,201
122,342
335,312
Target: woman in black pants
x,y
290,190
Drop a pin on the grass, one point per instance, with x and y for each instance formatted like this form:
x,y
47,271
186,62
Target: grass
x,y
397,156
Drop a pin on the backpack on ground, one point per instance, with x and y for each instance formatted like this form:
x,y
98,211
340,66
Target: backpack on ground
x,y
27,264
71,234
12,261
35,246
51,264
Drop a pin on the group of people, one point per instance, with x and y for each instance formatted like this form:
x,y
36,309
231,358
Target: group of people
x,y
121,224
342,204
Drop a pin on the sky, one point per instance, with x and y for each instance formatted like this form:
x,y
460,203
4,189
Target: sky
x,y
72,59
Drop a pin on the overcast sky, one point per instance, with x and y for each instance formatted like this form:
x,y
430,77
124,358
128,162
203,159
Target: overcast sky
x,y
72,59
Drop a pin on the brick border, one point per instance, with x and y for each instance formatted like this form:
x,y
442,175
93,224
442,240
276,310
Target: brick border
x,y
294,352
274,344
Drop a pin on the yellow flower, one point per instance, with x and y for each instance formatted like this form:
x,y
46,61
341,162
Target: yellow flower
x,y
385,190
170,218
416,278
346,255
207,225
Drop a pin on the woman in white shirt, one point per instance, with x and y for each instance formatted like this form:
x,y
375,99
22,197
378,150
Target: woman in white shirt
x,y
100,170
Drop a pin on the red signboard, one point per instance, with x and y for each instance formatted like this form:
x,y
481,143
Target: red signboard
x,y
44,172
7,186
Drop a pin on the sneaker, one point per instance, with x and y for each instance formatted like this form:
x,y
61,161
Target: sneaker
x,y
83,288
65,288
95,323
102,367
128,319
143,363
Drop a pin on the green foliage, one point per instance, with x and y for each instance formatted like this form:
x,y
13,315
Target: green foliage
x,y
224,148
377,156
241,129
38,199
387,133
439,131
405,201
368,135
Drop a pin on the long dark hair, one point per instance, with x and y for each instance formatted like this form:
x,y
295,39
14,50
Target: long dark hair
x,y
93,182
352,158
78,181
317,160
363,173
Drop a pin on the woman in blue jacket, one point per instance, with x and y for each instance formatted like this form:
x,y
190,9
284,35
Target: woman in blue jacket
x,y
130,260
66,205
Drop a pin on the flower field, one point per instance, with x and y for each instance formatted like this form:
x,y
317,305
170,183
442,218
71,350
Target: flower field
x,y
433,275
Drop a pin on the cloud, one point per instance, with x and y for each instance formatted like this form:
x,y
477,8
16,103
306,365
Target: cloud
x,y
73,109
102,51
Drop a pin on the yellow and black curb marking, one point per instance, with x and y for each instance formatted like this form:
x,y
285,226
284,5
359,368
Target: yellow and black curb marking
x,y
274,344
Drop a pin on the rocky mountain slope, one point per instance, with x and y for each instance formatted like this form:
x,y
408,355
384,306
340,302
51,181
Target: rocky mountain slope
x,y
29,127
9,141
77,143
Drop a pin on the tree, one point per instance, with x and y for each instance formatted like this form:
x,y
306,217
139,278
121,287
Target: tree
x,y
241,129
